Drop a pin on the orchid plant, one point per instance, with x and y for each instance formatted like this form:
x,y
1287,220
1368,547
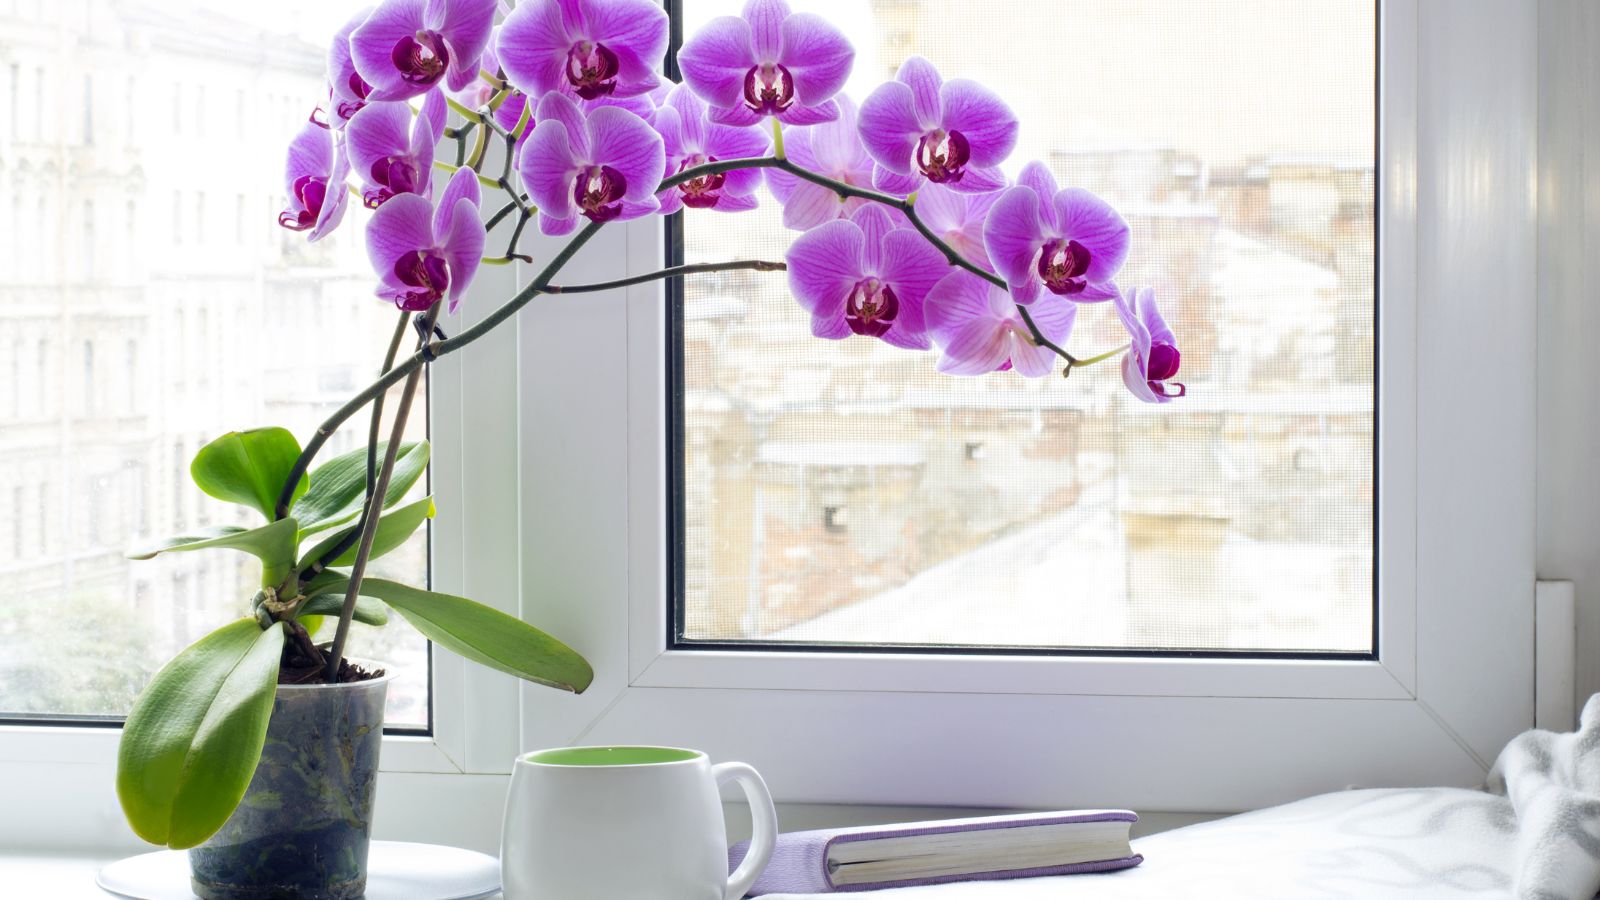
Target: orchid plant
x,y
911,233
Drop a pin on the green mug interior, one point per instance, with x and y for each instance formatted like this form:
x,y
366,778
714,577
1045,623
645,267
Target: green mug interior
x,y
611,756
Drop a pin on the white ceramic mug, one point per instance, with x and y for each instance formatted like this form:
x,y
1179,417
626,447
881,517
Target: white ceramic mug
x,y
642,823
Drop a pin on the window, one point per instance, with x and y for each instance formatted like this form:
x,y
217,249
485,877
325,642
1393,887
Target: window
x,y
1087,521
120,404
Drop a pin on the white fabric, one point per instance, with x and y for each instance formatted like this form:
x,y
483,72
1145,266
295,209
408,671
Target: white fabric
x,y
1534,835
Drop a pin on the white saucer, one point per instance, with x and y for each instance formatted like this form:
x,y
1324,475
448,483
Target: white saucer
x,y
395,871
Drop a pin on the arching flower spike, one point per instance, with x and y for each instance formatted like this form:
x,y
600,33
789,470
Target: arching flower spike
x,y
592,48
921,128
692,140
829,148
406,47
385,158
1069,242
1152,359
315,174
978,329
604,167
863,276
424,253
768,62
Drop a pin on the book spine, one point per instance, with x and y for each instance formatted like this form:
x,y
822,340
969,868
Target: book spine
x,y
1106,865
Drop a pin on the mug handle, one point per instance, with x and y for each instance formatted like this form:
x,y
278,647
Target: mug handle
x,y
763,822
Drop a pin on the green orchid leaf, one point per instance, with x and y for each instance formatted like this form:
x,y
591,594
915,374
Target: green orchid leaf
x,y
393,530
192,741
273,543
248,467
339,486
368,610
486,635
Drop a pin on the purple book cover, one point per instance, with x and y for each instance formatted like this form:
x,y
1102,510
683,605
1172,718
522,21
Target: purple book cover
x,y
800,862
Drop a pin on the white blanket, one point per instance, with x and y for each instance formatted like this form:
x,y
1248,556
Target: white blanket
x,y
1534,834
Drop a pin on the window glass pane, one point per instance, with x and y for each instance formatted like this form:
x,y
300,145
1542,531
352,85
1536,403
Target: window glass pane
x,y
845,493
140,320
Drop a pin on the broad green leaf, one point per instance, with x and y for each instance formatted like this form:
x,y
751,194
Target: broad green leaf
x,y
192,741
339,486
274,542
486,635
393,529
248,467
368,610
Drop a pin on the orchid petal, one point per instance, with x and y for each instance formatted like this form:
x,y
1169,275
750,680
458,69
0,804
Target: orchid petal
x,y
833,146
826,111
1133,375
740,116
335,201
766,27
430,121
466,25
732,203
548,166
911,265
888,126
818,55
1151,316
715,60
1012,235
923,79
875,225
824,266
832,328
533,47
1054,317
908,331
376,132
310,153
1138,334
976,349
959,300
636,30
558,107
372,48
979,181
463,247
985,120
895,183
1037,177
810,205
690,112
463,185
398,227
1030,360
628,144
557,226
1083,217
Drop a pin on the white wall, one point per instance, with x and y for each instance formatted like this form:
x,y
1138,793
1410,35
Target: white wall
x,y
1569,315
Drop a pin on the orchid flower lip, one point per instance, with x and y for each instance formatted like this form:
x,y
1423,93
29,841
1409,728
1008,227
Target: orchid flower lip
x,y
422,58
598,191
871,308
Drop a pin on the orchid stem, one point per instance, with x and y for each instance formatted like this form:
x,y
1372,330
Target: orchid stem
x,y
484,180
746,265
1101,358
777,139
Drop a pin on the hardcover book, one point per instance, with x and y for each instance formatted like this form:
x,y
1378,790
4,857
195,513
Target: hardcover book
x,y
987,848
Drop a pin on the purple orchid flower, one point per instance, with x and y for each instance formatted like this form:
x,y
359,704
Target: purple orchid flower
x,y
347,90
979,330
863,276
1068,241
1152,358
421,252
388,162
958,219
833,149
692,140
407,46
594,48
606,166
920,128
768,62
315,173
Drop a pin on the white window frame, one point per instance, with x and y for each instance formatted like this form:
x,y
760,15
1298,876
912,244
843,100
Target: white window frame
x,y
1455,678
568,406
